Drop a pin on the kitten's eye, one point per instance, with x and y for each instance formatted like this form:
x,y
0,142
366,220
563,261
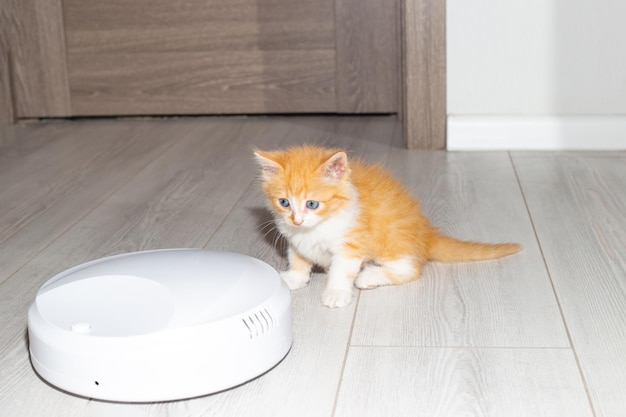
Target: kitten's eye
x,y
283,202
312,204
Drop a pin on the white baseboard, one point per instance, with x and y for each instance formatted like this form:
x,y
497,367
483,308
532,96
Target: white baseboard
x,y
536,133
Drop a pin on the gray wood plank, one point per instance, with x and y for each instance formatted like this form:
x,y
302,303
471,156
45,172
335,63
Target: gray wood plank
x,y
455,381
17,140
506,302
51,178
577,204
367,138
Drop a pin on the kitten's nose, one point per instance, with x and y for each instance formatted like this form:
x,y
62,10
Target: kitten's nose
x,y
297,221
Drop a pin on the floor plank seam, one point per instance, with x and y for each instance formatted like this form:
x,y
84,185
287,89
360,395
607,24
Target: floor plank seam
x,y
554,348
554,292
347,352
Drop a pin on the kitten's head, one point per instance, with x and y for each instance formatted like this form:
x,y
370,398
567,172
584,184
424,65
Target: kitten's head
x,y
305,185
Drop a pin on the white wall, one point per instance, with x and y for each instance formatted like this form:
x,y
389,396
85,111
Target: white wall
x,y
530,61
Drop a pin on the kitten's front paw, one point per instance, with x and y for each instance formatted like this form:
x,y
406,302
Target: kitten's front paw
x,y
336,298
295,280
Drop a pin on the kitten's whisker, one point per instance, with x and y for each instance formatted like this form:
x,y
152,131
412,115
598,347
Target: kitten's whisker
x,y
268,227
267,222
272,230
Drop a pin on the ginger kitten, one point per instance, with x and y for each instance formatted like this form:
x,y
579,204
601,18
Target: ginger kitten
x,y
354,220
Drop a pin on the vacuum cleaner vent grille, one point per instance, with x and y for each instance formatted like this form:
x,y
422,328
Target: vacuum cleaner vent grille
x,y
259,323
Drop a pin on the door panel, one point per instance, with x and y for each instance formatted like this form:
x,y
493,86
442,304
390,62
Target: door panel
x,y
112,40
203,82
368,40
198,56
118,57
150,26
34,56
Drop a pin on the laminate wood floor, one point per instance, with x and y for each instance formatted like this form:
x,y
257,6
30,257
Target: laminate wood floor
x,y
540,333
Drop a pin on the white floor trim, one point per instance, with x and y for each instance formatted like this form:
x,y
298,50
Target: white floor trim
x,y
536,133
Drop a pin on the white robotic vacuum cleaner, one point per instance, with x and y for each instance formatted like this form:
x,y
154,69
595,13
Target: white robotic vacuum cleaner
x,y
159,325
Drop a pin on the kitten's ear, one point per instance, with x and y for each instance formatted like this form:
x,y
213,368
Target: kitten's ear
x,y
269,167
336,167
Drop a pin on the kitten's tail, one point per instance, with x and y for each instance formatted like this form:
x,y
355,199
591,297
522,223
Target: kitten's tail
x,y
443,248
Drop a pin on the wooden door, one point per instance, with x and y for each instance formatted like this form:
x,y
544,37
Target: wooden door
x,y
78,58
160,57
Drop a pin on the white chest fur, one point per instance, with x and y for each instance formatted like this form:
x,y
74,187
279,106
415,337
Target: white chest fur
x,y
322,242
